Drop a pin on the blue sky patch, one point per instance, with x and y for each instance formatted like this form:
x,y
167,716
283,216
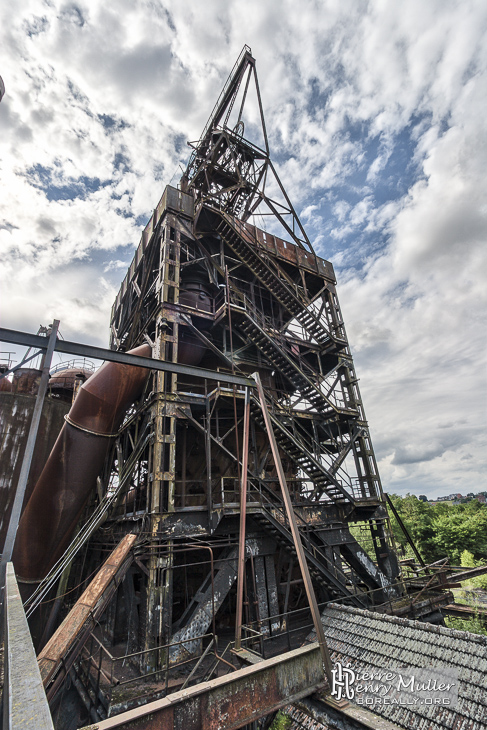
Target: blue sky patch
x,y
43,179
111,123
121,162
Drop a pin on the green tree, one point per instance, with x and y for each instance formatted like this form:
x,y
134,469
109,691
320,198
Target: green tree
x,y
467,560
441,530
416,516
458,530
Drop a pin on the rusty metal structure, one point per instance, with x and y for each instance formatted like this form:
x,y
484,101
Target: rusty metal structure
x,y
226,443
207,287
57,501
17,400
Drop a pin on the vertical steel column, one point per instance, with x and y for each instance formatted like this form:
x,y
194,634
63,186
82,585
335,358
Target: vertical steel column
x,y
405,532
320,634
29,451
160,585
243,516
208,451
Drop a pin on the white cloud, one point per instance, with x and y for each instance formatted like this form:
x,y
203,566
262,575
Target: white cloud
x,y
376,116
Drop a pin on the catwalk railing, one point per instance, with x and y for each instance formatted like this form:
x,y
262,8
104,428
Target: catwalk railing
x,y
114,683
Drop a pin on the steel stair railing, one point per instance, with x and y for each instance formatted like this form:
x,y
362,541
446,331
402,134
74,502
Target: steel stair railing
x,y
272,506
301,453
236,236
275,349
320,564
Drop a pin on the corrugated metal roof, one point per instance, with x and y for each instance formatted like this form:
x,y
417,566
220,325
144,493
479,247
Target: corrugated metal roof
x,y
374,641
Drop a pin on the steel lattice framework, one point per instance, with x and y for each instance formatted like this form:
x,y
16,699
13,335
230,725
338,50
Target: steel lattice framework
x,y
245,467
207,286
213,486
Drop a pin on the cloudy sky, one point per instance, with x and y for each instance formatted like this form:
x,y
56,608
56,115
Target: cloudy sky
x,y
376,117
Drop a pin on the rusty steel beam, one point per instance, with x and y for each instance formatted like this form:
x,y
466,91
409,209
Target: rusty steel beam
x,y
232,701
462,610
64,646
342,715
100,353
405,531
230,89
467,574
315,613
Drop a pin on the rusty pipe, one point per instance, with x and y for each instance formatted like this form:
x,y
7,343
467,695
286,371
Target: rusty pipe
x,y
76,460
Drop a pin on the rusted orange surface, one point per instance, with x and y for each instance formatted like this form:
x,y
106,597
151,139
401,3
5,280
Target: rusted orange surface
x,y
60,643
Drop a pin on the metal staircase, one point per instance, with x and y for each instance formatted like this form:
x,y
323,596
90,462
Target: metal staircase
x,y
237,237
272,517
204,604
292,440
274,347
338,582
270,513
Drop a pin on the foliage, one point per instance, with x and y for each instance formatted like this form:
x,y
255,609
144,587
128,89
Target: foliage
x,y
462,528
416,516
456,531
441,530
467,560
281,722
474,624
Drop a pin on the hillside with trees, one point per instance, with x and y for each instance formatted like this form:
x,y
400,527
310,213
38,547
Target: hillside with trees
x,y
441,530
444,530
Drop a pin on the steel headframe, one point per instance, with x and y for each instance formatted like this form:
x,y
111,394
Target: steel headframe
x,y
229,172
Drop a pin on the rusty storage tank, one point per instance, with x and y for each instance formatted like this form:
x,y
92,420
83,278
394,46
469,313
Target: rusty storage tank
x,y
26,380
67,377
5,384
16,408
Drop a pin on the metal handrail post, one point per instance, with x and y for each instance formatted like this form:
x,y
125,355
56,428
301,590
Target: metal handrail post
x,y
243,516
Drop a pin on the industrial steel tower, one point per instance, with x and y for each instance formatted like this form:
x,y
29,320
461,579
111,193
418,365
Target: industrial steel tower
x,y
246,469
208,288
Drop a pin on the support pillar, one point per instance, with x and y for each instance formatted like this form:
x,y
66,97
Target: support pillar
x,y
160,579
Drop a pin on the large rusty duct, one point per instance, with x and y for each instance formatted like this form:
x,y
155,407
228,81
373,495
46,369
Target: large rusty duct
x,y
59,496
250,505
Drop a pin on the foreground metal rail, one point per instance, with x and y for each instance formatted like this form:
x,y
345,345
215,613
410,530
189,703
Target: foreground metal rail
x,y
61,651
231,701
24,700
